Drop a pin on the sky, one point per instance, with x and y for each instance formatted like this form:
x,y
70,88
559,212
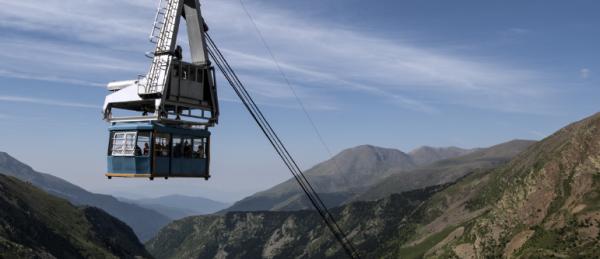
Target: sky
x,y
397,74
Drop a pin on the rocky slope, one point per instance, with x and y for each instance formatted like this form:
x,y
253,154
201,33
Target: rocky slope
x,y
34,224
145,222
350,172
279,234
543,203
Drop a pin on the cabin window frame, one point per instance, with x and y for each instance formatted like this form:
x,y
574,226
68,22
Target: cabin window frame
x,y
177,148
199,149
126,148
165,150
147,134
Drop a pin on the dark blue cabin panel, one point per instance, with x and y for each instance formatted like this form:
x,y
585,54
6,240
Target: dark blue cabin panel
x,y
162,166
186,167
128,165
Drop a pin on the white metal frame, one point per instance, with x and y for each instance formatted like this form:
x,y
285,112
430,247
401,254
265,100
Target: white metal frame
x,y
127,149
149,94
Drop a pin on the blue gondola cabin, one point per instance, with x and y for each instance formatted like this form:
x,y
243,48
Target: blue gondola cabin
x,y
154,150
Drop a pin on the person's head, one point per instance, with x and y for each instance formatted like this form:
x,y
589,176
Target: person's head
x,y
145,144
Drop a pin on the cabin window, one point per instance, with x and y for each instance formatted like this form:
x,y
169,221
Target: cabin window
x,y
177,147
187,147
199,149
143,144
161,145
182,147
123,143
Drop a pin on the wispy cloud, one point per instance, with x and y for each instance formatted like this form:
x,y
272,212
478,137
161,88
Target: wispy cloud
x,y
584,73
47,78
322,54
321,59
517,30
20,99
97,21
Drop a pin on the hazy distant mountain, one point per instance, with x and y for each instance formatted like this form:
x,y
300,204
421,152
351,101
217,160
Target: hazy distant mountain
x,y
444,171
179,206
347,174
35,224
427,155
544,203
145,222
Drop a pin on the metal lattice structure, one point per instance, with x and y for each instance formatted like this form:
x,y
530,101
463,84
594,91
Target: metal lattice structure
x,y
173,91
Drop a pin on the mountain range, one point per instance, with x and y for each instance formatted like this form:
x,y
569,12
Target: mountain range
x,y
145,222
368,172
544,202
444,171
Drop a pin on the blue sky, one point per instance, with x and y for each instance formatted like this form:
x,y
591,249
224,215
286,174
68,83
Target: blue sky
x,y
397,74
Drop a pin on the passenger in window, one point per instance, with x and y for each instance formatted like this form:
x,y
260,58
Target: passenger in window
x,y
177,150
138,151
146,149
187,149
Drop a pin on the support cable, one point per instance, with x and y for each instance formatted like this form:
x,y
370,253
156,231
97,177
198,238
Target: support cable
x,y
298,100
280,148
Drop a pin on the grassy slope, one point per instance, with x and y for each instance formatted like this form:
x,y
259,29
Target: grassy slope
x,y
36,224
145,222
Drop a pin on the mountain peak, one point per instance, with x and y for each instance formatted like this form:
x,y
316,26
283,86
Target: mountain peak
x,y
369,149
365,159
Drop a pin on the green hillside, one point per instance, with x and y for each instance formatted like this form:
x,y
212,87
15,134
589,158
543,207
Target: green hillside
x,y
144,222
274,234
34,224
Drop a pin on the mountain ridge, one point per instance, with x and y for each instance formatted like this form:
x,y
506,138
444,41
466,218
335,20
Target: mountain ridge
x,y
427,154
145,222
445,171
346,175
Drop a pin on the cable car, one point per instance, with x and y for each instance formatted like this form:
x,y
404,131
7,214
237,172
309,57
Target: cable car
x,y
153,150
160,122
